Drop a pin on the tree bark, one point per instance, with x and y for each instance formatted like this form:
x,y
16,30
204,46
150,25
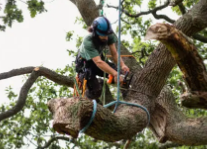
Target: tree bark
x,y
189,61
71,115
177,127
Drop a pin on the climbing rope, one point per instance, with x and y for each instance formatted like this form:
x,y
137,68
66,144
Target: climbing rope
x,y
101,3
119,59
92,117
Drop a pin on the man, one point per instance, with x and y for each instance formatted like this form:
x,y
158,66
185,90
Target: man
x,y
91,52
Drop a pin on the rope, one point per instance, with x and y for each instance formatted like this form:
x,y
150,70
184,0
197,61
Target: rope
x,y
130,104
119,59
101,9
92,117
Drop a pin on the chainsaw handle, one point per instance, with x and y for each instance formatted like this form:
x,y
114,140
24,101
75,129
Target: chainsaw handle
x,y
110,79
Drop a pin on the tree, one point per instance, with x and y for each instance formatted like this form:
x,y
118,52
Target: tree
x,y
168,120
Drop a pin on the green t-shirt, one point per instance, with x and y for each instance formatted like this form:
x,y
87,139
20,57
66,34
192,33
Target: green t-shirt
x,y
88,49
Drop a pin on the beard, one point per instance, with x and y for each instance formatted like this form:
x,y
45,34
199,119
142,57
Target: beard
x,y
100,42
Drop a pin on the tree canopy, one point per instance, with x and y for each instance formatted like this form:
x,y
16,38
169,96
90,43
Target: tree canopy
x,y
169,80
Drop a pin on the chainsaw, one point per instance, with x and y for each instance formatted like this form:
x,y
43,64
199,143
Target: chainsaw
x,y
125,85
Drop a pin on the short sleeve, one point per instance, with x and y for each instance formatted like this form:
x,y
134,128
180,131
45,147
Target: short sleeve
x,y
112,39
88,50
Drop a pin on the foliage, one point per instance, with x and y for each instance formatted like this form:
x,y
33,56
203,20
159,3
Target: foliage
x,y
35,6
12,13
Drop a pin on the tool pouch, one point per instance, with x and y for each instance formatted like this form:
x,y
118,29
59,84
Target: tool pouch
x,y
79,64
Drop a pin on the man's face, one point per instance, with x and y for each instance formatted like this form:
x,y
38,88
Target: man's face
x,y
103,39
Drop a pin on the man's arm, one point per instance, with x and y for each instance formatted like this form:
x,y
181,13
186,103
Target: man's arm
x,y
114,54
104,66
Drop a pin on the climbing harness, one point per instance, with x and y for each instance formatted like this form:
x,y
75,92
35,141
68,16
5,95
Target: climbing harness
x,y
80,82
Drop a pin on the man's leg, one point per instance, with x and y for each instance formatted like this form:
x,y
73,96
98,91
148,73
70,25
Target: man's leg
x,y
94,85
94,88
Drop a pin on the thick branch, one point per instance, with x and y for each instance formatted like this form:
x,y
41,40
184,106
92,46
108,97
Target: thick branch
x,y
71,115
184,53
160,62
178,128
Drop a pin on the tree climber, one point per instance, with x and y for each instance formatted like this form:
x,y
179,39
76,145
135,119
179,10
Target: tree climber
x,y
90,58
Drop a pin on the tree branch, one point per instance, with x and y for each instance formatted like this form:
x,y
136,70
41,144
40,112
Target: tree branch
x,y
35,73
178,128
168,145
153,12
16,72
175,2
184,53
22,97
52,140
51,75
200,38
72,114
194,99
182,8
162,17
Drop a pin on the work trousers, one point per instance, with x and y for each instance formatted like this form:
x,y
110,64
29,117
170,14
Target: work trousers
x,y
94,85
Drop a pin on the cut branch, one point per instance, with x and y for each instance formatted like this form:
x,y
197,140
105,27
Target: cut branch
x,y
184,53
71,115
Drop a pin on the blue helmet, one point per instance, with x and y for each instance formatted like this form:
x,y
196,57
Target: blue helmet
x,y
102,27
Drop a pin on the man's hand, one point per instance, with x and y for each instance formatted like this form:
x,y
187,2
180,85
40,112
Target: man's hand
x,y
121,79
124,68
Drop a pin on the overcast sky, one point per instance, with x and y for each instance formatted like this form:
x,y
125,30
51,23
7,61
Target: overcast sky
x,y
38,41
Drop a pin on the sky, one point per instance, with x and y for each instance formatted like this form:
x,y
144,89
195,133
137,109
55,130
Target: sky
x,y
41,40
38,41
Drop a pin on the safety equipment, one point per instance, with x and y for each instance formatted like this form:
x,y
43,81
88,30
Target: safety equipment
x,y
101,26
